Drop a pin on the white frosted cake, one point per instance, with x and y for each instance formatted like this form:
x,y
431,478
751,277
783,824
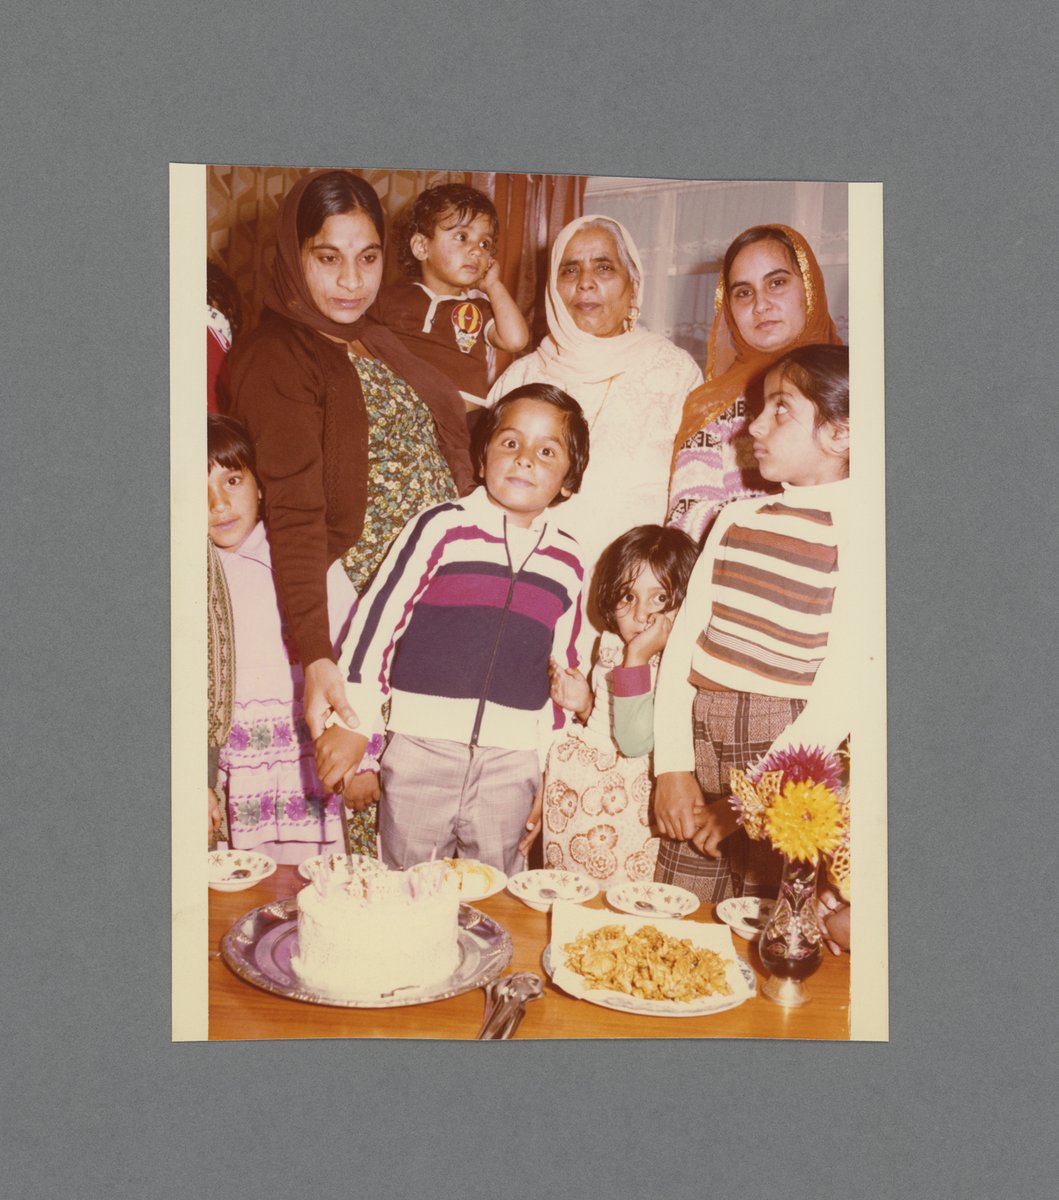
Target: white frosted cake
x,y
374,931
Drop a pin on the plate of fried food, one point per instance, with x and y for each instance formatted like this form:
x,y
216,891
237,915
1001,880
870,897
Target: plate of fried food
x,y
633,965
477,880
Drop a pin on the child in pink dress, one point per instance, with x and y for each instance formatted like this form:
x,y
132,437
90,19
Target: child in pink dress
x,y
267,774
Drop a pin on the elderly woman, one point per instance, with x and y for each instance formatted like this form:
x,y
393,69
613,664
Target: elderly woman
x,y
631,384
353,434
770,298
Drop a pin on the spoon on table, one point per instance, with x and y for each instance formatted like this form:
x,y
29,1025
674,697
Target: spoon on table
x,y
505,1004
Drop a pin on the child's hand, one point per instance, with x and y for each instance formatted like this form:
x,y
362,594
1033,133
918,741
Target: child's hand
x,y
833,913
490,276
570,690
362,790
651,640
338,752
214,815
679,807
720,822
533,822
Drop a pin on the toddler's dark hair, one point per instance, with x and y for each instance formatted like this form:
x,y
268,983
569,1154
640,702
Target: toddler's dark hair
x,y
448,201
223,295
821,374
668,551
228,444
575,429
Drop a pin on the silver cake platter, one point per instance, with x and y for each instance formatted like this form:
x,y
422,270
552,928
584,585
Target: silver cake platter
x,y
258,948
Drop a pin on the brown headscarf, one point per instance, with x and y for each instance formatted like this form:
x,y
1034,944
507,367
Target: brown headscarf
x,y
288,295
731,363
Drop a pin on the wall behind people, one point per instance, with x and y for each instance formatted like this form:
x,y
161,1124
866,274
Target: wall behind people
x,y
683,228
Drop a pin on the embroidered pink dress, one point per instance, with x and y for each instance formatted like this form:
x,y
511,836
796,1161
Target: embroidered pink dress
x,y
276,803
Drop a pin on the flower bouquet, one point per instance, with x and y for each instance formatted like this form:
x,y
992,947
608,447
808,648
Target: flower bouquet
x,y
795,799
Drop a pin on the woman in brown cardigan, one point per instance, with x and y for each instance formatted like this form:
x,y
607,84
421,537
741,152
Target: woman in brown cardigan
x,y
353,434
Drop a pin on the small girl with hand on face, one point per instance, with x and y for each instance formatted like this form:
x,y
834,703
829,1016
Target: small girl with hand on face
x,y
267,777
757,659
598,782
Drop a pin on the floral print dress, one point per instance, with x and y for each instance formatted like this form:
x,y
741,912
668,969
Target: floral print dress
x,y
596,801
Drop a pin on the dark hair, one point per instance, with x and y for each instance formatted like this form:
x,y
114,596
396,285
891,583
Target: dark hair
x,y
437,204
228,444
821,374
332,194
759,233
668,551
223,295
575,428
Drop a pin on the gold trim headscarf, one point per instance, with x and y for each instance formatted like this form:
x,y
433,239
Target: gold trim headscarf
x,y
731,362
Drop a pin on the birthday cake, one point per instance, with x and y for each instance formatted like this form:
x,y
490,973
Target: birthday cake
x,y
369,931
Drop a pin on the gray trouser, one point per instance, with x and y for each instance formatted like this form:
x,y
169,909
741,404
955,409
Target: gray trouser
x,y
445,798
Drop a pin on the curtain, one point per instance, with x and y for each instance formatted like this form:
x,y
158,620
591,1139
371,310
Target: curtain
x,y
532,210
683,228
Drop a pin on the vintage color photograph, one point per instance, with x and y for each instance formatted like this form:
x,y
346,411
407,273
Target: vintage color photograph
x,y
543,643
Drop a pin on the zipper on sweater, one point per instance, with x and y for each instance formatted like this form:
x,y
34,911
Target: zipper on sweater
x,y
500,631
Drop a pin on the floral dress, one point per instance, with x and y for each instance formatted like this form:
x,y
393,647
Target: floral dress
x,y
596,801
406,473
267,772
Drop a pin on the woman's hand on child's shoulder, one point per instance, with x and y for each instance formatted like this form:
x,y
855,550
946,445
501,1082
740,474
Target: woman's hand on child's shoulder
x,y
570,689
650,641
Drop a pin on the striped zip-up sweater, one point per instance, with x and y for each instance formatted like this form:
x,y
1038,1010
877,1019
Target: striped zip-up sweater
x,y
760,616
456,639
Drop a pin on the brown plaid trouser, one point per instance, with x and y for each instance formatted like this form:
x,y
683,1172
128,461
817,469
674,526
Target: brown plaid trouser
x,y
730,729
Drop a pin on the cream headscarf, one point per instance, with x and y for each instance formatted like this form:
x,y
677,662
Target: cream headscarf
x,y
568,356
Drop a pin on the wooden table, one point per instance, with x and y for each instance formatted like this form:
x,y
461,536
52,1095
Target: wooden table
x,y
238,1010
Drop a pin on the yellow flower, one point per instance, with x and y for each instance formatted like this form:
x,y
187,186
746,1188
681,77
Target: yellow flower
x,y
805,821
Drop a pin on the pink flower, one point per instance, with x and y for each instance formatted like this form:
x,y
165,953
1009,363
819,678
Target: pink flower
x,y
804,764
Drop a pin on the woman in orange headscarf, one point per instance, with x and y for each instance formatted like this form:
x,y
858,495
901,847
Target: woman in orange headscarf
x,y
770,298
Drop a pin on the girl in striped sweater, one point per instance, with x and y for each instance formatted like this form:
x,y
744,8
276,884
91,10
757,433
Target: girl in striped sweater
x,y
755,659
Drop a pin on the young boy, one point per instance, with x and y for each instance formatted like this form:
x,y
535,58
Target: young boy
x,y
447,240
456,631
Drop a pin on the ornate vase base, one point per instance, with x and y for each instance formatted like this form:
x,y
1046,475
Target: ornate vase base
x,y
789,993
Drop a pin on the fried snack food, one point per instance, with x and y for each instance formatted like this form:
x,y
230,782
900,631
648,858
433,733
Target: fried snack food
x,y
466,869
648,964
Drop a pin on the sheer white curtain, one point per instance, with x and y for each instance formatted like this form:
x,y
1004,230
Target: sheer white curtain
x,y
683,228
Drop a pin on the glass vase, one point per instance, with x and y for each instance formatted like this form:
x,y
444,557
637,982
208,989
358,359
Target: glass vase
x,y
791,944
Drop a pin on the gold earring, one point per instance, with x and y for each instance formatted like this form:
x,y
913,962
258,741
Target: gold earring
x,y
632,318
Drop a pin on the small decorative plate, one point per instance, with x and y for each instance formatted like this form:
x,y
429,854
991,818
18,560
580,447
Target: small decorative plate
x,y
477,879
745,914
259,946
652,900
540,889
235,870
